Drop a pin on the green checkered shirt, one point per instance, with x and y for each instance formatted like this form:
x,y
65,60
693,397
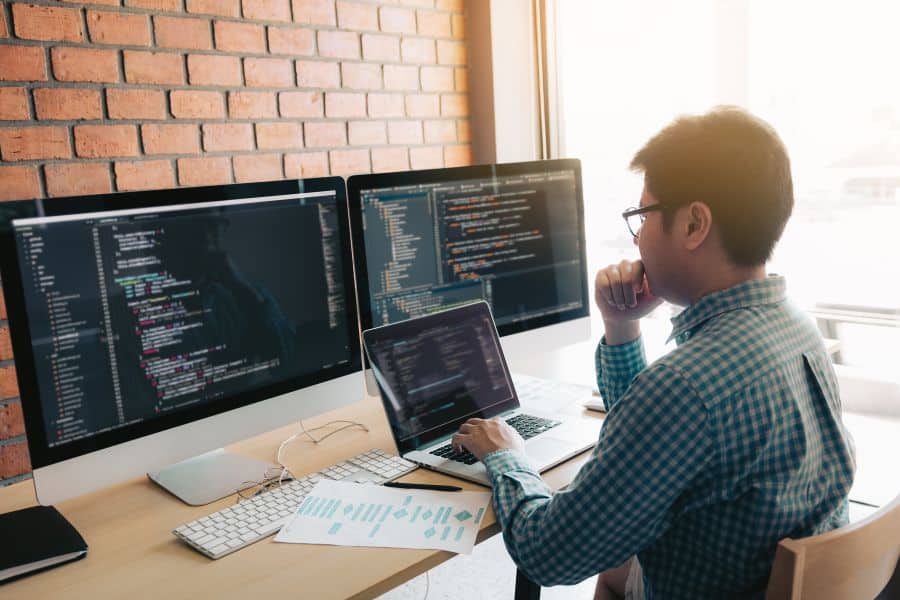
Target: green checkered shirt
x,y
707,457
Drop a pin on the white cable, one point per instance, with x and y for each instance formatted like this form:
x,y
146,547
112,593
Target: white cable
x,y
427,586
306,432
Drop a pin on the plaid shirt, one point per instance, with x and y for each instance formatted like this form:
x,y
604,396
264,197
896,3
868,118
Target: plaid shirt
x,y
707,458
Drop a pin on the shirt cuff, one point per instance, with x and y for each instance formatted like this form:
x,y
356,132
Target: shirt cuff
x,y
617,366
505,460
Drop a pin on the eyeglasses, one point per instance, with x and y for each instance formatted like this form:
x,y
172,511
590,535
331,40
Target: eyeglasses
x,y
634,217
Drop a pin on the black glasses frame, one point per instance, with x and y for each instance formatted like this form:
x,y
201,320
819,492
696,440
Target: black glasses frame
x,y
639,212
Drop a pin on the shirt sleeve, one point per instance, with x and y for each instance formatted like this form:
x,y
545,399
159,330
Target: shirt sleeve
x,y
654,441
617,366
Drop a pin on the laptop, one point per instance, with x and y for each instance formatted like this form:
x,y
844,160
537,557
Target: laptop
x,y
437,371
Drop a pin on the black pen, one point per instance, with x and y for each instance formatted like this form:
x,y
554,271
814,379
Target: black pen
x,y
423,486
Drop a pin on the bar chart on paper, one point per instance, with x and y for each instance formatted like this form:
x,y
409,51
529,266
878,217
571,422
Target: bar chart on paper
x,y
352,514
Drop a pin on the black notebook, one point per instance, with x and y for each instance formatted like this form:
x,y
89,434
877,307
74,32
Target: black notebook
x,y
36,538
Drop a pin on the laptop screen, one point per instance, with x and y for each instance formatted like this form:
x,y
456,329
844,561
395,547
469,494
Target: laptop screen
x,y
435,372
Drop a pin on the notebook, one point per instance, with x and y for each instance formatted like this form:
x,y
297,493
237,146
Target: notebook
x,y
36,538
437,371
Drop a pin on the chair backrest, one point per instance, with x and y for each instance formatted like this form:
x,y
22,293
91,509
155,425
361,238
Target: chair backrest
x,y
854,562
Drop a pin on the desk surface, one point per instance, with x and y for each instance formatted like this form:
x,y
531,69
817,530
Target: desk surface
x,y
134,554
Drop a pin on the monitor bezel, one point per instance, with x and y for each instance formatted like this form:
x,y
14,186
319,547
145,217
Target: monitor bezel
x,y
41,453
357,183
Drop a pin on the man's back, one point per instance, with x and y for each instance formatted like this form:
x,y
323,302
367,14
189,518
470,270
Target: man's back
x,y
781,462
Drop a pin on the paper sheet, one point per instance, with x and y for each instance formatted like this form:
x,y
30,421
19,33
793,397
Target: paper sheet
x,y
352,514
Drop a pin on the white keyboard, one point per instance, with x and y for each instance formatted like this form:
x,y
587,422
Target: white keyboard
x,y
549,395
258,517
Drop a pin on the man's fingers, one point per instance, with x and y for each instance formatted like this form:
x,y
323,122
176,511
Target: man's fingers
x,y
626,269
457,440
466,427
615,284
638,276
602,291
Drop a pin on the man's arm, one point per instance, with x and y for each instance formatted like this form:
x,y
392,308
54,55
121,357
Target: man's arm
x,y
652,445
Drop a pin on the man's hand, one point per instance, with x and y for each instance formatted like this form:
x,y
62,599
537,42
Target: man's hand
x,y
483,436
623,296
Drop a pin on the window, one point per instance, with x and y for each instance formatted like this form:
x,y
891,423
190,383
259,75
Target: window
x,y
821,73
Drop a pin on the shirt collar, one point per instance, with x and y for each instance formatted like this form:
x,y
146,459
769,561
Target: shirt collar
x,y
755,292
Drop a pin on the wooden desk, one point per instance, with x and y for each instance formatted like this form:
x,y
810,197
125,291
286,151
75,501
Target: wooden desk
x,y
133,553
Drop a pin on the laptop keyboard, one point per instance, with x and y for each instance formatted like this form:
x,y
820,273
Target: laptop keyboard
x,y
528,426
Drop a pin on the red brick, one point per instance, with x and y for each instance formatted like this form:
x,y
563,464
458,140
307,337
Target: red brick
x,y
354,15
458,155
434,24
380,48
77,179
103,2
307,164
458,26
67,104
423,105
400,77
405,132
338,44
2,301
153,67
13,104
426,157
361,76
48,23
118,28
454,5
239,37
227,136
279,135
451,53
4,32
342,104
300,104
22,63
316,12
325,134
440,131
204,69
18,183
461,76
397,20
292,40
267,10
14,460
385,105
454,105
9,387
95,141
30,143
221,8
11,421
257,167
464,131
136,104
318,74
210,170
144,175
268,72
197,105
437,79
349,162
156,5
367,133
252,105
417,50
170,139
5,349
385,160
85,64
177,32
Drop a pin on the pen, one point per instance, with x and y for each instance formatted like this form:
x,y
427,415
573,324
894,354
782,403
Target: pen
x,y
423,486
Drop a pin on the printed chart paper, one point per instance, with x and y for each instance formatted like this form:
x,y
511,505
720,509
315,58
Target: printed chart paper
x,y
353,514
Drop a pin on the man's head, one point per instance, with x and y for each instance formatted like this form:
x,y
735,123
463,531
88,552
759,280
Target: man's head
x,y
724,181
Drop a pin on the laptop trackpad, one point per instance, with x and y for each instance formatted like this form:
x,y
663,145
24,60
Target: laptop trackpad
x,y
545,449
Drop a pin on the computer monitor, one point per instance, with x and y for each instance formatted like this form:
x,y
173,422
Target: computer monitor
x,y
151,327
511,234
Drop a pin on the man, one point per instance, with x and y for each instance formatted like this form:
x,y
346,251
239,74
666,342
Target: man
x,y
731,442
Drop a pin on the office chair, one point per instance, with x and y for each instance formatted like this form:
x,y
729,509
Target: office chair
x,y
855,562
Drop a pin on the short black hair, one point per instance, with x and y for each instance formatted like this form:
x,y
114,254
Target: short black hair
x,y
734,163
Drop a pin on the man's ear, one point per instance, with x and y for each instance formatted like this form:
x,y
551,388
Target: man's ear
x,y
699,223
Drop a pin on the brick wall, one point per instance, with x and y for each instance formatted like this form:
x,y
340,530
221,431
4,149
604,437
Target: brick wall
x,y
117,95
